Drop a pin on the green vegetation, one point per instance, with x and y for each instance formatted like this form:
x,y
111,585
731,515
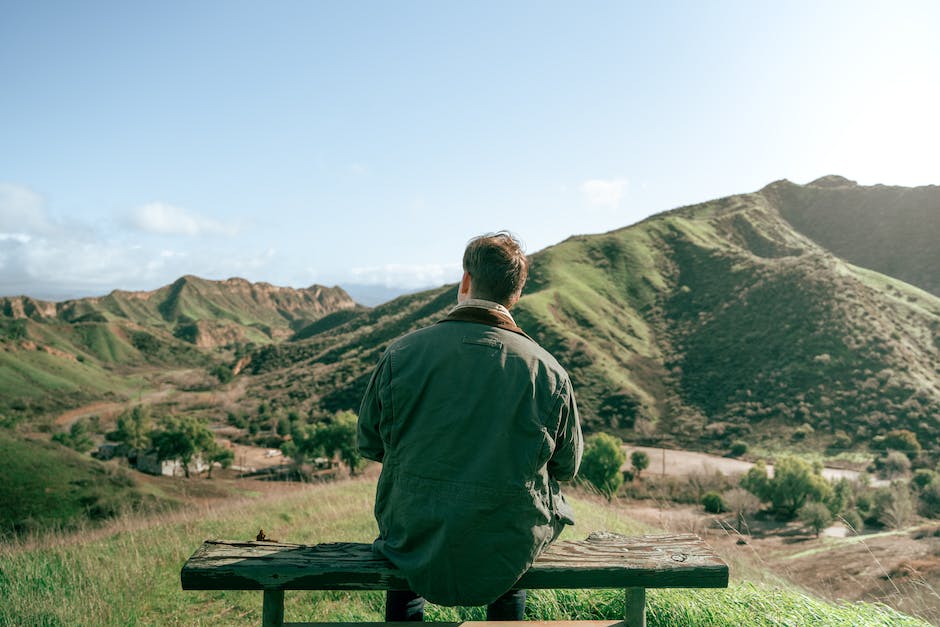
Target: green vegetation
x,y
330,438
794,482
46,486
183,438
601,462
129,573
639,461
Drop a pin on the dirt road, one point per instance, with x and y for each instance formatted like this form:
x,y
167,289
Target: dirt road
x,y
683,463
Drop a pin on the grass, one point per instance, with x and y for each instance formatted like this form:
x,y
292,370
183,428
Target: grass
x,y
47,486
128,572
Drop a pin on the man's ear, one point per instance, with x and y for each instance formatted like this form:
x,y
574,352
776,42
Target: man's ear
x,y
463,292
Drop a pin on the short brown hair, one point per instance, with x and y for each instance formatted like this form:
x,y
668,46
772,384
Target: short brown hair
x,y
497,266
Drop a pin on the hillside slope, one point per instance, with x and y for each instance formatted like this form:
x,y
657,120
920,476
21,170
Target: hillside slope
x,y
699,326
59,355
893,230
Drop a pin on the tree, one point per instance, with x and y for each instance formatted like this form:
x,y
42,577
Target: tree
x,y
77,438
793,484
640,461
339,436
601,462
816,516
133,428
218,454
182,438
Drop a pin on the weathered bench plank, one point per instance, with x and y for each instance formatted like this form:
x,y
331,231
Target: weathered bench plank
x,y
600,561
603,560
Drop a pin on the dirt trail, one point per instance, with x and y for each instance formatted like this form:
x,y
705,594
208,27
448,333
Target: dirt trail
x,y
111,409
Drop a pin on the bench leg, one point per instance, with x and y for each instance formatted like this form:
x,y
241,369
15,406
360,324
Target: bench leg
x,y
272,611
634,611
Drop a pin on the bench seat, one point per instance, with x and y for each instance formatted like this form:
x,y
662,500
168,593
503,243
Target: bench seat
x,y
603,560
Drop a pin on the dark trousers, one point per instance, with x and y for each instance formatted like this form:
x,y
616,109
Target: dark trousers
x,y
405,605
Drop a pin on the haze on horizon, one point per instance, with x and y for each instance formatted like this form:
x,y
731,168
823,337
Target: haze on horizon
x,y
364,144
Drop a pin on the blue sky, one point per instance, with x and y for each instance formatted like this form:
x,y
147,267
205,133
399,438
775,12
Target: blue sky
x,y
365,143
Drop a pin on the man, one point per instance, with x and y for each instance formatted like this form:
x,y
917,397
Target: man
x,y
474,424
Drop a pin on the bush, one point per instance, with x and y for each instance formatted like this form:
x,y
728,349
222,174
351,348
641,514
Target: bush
x,y
816,516
924,477
738,448
794,483
892,506
893,464
639,461
930,500
803,431
601,462
713,503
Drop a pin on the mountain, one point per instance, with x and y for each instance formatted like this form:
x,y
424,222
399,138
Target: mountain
x,y
699,326
893,230
762,317
58,354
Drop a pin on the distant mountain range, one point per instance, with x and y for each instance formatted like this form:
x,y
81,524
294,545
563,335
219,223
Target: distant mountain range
x,y
762,316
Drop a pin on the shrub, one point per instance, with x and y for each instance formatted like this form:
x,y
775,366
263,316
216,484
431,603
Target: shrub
x,y
794,483
924,477
816,516
713,503
894,464
601,462
639,461
738,448
803,431
930,500
892,506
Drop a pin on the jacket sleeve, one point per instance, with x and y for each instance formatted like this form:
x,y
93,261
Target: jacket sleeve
x,y
374,403
569,445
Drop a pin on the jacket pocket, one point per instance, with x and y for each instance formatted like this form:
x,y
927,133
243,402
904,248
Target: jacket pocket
x,y
561,510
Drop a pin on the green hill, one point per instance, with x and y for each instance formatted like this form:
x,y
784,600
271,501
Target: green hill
x,y
893,230
54,356
46,486
699,326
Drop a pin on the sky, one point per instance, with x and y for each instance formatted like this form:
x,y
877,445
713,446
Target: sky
x,y
363,143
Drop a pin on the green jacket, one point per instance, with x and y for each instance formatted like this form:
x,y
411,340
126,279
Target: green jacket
x,y
474,424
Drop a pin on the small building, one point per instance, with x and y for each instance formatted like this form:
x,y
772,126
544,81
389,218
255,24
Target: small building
x,y
150,463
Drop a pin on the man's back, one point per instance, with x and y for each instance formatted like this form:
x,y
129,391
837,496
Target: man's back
x,y
474,424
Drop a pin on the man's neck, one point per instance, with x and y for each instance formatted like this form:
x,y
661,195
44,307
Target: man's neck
x,y
485,304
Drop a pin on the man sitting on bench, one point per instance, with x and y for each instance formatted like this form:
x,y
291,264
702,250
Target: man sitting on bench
x,y
474,424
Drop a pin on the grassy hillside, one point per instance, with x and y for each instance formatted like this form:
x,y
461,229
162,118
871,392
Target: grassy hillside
x,y
129,573
700,326
56,356
46,486
893,230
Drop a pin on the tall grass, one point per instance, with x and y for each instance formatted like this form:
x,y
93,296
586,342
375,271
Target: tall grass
x,y
127,573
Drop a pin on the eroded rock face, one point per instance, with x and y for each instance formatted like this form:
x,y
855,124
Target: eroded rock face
x,y
204,312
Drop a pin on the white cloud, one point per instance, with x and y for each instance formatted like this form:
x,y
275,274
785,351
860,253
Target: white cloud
x,y
22,210
604,192
165,219
407,275
22,238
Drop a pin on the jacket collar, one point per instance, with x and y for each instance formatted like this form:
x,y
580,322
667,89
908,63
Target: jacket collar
x,y
468,312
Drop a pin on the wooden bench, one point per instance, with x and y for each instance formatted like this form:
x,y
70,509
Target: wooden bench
x,y
603,560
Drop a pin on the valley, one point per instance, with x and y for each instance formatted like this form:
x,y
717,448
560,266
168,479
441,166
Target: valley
x,y
746,329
